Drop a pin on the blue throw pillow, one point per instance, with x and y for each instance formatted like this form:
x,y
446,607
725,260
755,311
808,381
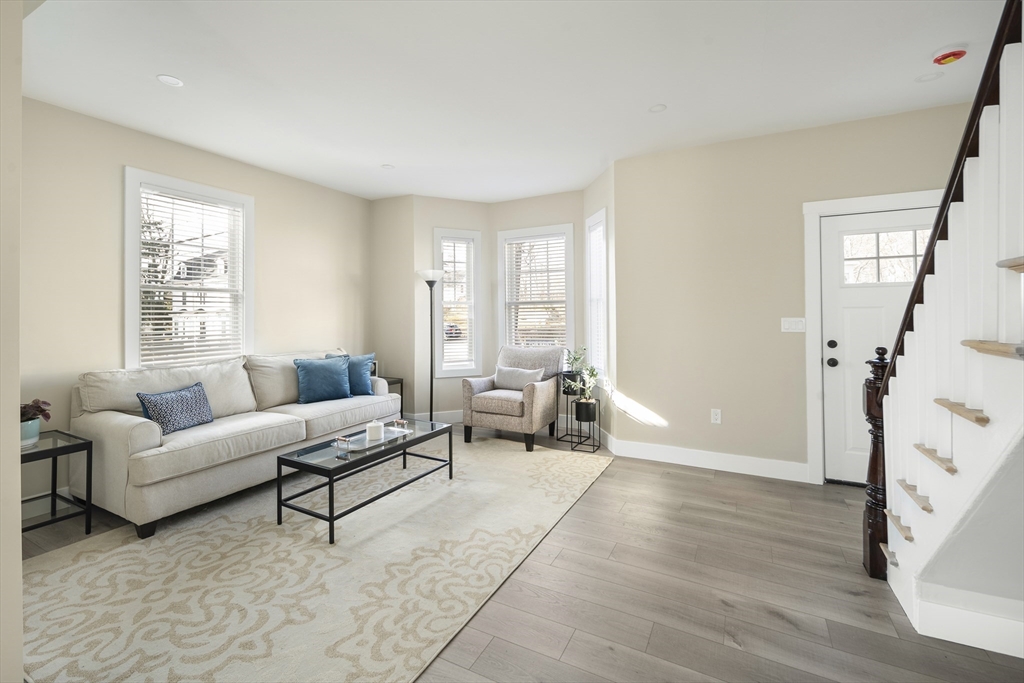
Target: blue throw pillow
x,y
322,379
177,410
359,381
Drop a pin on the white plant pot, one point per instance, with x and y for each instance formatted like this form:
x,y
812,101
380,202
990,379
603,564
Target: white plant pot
x,y
29,433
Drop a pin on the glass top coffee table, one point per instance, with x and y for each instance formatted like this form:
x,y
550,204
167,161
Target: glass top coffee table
x,y
344,457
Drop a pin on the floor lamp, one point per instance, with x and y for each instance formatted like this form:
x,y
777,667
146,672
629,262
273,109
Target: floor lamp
x,y
431,277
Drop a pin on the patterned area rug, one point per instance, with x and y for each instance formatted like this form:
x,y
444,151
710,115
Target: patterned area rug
x,y
224,594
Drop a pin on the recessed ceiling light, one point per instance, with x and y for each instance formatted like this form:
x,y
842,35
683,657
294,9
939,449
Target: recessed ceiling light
x,y
658,108
933,76
170,80
387,167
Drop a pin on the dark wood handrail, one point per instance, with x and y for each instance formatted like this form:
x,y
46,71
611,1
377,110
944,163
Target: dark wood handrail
x,y
1008,32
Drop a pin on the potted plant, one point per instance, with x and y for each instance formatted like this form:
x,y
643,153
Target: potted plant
x,y
586,406
30,414
574,360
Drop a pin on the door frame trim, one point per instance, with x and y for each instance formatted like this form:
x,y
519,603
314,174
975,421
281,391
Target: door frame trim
x,y
813,213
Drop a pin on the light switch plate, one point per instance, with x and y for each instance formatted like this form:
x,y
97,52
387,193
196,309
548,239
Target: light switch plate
x,y
794,325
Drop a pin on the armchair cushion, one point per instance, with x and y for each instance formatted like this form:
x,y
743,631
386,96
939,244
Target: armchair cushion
x,y
530,358
499,402
515,378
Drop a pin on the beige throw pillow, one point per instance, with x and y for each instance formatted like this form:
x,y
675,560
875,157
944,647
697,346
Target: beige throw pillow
x,y
515,378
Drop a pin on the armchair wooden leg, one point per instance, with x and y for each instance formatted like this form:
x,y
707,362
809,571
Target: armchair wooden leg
x,y
551,429
529,442
467,432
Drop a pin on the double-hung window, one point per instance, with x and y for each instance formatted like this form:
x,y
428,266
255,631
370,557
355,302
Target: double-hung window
x,y
597,293
188,272
536,286
457,338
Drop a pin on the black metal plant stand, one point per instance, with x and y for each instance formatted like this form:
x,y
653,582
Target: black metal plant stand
x,y
588,440
567,433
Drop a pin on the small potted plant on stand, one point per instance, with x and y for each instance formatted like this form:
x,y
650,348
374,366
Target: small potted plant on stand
x,y
586,406
573,359
30,415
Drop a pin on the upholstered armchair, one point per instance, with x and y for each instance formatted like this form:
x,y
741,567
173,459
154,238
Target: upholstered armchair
x,y
526,411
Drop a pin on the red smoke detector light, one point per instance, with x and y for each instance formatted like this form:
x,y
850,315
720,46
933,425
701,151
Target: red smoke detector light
x,y
948,56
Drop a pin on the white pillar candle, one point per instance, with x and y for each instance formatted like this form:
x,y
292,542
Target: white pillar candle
x,y
375,430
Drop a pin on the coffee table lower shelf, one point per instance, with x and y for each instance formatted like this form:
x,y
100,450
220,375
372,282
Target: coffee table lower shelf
x,y
331,478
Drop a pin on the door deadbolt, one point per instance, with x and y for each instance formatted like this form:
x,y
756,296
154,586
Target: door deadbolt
x,y
832,362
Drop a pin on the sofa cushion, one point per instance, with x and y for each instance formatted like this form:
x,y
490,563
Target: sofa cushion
x,y
360,382
327,417
275,381
224,439
177,410
322,379
499,401
226,384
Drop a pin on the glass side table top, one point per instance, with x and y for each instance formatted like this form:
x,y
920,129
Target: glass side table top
x,y
54,439
335,452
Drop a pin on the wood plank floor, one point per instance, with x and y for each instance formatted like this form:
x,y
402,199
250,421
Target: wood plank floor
x,y
669,573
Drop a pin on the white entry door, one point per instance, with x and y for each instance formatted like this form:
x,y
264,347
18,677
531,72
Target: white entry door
x,y
868,265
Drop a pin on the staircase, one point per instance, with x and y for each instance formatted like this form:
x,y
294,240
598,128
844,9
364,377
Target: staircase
x,y
952,397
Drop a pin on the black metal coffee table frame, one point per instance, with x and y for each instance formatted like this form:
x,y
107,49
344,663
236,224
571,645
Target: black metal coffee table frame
x,y
345,469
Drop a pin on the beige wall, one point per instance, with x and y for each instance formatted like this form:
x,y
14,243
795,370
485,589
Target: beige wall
x,y
312,249
709,256
10,229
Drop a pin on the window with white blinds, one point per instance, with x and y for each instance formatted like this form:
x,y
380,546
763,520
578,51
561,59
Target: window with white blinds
x,y
537,286
457,336
597,294
188,296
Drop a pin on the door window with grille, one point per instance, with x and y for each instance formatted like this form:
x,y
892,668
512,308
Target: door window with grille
x,y
537,286
188,272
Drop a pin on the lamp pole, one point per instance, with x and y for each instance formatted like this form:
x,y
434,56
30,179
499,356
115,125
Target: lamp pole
x,y
431,277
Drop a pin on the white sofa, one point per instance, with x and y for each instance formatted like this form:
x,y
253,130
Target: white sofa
x,y
144,476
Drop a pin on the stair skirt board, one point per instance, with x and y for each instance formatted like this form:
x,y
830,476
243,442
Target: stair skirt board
x,y
1004,634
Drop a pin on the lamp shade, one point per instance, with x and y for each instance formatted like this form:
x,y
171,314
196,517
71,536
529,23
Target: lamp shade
x,y
430,275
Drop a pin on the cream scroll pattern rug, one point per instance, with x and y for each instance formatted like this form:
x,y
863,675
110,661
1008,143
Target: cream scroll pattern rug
x,y
224,594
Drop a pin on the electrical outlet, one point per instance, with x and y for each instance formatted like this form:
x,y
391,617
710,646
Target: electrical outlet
x,y
716,416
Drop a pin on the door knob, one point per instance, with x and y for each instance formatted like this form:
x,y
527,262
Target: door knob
x,y
832,362
832,343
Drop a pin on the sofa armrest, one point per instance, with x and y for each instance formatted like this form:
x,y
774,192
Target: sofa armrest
x,y
115,438
380,386
540,403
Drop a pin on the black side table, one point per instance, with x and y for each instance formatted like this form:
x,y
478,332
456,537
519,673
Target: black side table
x,y
397,380
52,445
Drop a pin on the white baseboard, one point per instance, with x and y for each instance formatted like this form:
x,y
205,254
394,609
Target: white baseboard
x,y
986,631
42,506
727,462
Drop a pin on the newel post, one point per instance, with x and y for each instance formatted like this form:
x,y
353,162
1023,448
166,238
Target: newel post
x,y
876,529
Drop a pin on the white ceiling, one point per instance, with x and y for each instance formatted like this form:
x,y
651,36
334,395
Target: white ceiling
x,y
490,101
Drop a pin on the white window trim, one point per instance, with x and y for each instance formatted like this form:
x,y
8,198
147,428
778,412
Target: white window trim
x,y
598,219
477,368
570,281
134,179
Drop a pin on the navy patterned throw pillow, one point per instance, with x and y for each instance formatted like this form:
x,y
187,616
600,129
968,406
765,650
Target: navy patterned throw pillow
x,y
177,410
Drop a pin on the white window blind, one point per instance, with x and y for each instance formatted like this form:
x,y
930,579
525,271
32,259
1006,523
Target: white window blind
x,y
457,303
597,297
191,279
536,300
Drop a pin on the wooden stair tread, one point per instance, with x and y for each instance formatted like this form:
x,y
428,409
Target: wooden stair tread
x,y
1016,264
933,455
976,416
890,556
911,491
993,348
904,531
